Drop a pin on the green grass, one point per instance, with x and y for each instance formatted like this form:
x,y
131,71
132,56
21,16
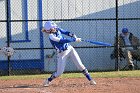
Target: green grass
x,y
113,74
120,74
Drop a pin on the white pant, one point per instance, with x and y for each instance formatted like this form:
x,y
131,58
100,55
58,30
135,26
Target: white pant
x,y
62,57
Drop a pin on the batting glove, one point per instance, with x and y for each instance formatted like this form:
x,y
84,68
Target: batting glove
x,y
78,39
74,36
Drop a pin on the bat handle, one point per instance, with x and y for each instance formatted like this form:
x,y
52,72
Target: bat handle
x,y
83,40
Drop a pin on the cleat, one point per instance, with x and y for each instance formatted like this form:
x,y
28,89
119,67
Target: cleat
x,y
92,82
46,83
131,67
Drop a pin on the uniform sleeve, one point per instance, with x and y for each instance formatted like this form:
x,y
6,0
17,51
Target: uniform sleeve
x,y
63,40
65,32
67,40
54,38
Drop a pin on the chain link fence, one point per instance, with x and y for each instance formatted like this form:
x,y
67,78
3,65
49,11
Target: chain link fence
x,y
21,22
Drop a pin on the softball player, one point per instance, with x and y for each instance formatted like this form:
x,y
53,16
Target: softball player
x,y
64,50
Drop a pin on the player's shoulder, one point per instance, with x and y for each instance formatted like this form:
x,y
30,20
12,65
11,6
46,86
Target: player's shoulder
x,y
61,29
52,35
58,28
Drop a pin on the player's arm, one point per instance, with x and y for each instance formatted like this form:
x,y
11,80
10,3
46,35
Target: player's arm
x,y
61,40
67,33
136,41
64,40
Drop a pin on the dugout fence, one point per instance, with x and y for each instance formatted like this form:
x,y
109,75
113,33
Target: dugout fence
x,y
100,20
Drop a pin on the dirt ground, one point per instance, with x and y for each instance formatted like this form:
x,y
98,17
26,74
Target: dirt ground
x,y
72,85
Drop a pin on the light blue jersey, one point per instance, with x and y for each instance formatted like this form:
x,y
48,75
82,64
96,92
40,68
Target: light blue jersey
x,y
59,42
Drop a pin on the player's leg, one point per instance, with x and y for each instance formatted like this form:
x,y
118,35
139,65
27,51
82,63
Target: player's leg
x,y
129,59
61,63
77,61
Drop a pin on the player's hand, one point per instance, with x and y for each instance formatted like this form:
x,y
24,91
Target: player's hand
x,y
74,36
78,39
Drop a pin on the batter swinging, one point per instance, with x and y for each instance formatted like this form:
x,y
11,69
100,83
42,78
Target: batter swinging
x,y
64,50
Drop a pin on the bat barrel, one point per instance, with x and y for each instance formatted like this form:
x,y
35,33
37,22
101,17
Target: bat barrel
x,y
97,43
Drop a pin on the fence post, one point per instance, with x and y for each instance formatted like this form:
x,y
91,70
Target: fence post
x,y
117,45
8,30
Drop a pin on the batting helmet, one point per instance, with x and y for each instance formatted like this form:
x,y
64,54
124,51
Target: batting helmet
x,y
49,24
124,30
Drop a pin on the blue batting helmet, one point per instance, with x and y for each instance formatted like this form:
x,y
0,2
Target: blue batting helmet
x,y
49,24
124,30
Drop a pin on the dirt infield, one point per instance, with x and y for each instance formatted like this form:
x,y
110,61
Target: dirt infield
x,y
72,85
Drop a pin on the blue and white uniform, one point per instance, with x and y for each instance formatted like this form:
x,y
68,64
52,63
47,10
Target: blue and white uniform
x,y
64,50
